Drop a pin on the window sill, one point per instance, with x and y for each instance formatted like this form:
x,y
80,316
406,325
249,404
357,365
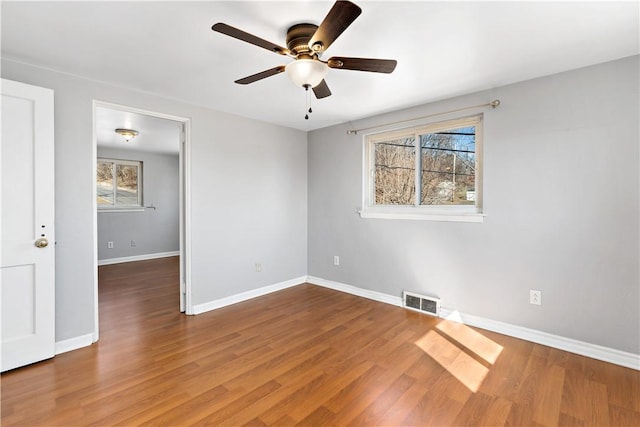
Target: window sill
x,y
115,210
424,215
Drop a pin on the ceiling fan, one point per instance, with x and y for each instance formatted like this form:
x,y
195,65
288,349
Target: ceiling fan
x,y
305,44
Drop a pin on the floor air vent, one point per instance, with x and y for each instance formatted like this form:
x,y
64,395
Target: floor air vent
x,y
421,303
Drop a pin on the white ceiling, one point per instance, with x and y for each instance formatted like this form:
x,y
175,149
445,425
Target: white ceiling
x,y
443,49
155,134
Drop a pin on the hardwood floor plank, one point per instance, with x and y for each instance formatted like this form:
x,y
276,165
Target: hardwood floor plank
x,y
140,411
474,410
497,413
305,355
275,398
256,422
319,417
598,409
624,384
188,411
549,396
396,414
569,421
529,385
381,404
623,417
308,399
345,397
358,404
504,379
434,409
221,416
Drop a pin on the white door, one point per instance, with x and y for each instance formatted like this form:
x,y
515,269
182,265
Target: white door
x,y
28,255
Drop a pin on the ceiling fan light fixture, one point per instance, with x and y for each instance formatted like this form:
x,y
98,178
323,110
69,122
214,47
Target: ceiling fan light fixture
x,y
127,134
307,72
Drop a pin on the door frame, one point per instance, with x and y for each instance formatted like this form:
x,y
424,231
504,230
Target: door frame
x,y
185,205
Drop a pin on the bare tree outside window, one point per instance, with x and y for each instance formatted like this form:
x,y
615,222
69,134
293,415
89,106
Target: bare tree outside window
x,y
127,185
395,182
448,167
104,181
432,165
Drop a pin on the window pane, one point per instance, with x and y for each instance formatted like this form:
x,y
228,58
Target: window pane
x,y
127,182
395,172
104,180
448,167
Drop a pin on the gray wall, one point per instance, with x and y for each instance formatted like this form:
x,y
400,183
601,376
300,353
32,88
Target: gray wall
x,y
248,191
153,230
561,196
561,193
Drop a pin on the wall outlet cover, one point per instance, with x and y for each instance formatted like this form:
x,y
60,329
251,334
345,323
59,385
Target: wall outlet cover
x,y
535,297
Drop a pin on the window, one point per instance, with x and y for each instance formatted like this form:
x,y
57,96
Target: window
x,y
119,184
426,172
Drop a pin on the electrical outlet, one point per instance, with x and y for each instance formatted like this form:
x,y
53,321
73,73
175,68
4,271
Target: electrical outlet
x,y
133,243
336,260
535,297
258,267
109,245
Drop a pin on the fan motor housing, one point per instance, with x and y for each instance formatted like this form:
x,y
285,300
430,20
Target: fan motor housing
x,y
298,37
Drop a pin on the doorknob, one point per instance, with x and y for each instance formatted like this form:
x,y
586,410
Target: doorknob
x,y
41,243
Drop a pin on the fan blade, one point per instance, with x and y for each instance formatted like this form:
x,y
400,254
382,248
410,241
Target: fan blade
x,y
322,90
249,38
341,15
363,64
261,75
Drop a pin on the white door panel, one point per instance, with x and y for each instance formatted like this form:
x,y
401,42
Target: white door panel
x,y
27,201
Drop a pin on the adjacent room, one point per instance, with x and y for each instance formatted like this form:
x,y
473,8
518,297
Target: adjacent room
x,y
320,213
138,188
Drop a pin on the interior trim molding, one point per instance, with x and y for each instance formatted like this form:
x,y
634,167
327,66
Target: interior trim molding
x,y
594,351
74,343
366,293
233,299
143,257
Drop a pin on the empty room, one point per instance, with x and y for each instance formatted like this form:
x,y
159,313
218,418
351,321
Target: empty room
x,y
367,213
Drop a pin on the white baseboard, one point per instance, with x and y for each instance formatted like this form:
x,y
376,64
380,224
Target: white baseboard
x,y
374,295
594,351
233,299
137,258
74,343
606,354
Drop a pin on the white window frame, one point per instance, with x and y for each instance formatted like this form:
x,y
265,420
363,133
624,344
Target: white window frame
x,y
138,207
459,213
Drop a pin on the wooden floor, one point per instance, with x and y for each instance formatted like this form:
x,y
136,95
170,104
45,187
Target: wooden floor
x,y
309,356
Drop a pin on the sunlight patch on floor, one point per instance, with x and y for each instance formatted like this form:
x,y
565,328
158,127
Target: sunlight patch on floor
x,y
473,340
461,363
465,368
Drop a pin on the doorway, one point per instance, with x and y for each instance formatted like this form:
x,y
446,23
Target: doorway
x,y
138,154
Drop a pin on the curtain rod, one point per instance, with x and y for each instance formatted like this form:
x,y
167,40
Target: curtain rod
x,y
492,104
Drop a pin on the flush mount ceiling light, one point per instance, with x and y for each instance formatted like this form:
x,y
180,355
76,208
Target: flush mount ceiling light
x,y
306,72
127,134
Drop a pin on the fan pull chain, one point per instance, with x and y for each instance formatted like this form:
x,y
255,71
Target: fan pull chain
x,y
308,105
